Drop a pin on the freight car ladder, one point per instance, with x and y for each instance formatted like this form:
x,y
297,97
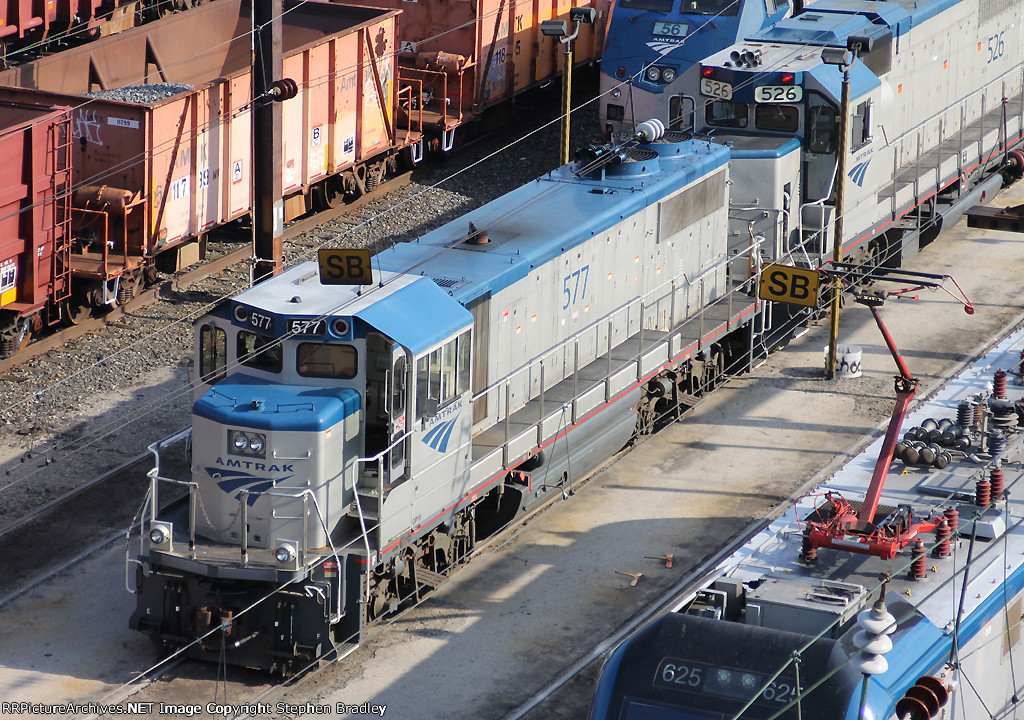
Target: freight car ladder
x,y
57,210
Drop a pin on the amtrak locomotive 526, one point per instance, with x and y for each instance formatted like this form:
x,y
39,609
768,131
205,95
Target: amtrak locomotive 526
x,y
351,444
933,111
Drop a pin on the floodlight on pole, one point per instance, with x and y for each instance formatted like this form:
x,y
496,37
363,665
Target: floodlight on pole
x,y
559,29
844,58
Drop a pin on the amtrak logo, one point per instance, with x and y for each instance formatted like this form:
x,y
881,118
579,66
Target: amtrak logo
x,y
439,435
664,47
858,171
237,480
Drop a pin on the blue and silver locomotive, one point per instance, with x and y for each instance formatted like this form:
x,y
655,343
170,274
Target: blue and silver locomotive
x,y
352,443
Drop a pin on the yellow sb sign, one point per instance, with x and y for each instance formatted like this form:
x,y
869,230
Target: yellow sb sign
x,y
797,286
345,267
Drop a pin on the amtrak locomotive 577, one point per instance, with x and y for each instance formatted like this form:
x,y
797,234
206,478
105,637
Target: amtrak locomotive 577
x,y
351,444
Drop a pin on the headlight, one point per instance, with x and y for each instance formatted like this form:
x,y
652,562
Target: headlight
x,y
159,533
668,75
616,94
653,74
250,444
285,553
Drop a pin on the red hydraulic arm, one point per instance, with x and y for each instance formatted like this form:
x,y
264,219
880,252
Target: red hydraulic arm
x,y
837,524
906,387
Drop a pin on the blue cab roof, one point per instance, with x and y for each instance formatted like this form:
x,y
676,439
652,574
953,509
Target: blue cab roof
x,y
247,402
830,22
543,219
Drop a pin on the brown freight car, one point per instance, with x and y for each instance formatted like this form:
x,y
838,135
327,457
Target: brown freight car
x,y
459,58
35,179
151,177
28,27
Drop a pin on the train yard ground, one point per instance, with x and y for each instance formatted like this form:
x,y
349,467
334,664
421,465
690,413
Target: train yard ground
x,y
491,642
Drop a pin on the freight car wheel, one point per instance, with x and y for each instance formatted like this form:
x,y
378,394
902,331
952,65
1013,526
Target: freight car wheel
x,y
76,312
329,194
17,336
8,346
126,289
375,176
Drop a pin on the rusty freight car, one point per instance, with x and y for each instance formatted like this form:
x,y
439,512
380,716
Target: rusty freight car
x,y
458,59
35,177
152,176
28,26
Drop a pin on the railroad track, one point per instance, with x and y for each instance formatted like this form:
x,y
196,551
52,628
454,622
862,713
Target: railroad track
x,y
86,505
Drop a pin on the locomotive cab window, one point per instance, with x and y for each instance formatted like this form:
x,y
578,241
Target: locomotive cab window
x,y
213,354
860,125
259,352
723,8
725,114
680,113
781,118
442,375
821,129
319,360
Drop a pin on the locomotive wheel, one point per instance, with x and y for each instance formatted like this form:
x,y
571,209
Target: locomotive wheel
x,y
716,369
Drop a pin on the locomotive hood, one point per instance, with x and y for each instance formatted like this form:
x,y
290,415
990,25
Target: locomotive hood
x,y
243,401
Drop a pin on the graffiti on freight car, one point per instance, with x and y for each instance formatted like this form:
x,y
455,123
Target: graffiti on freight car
x,y
86,127
496,77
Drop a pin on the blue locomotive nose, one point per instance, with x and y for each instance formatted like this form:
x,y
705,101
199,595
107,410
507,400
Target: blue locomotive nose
x,y
240,400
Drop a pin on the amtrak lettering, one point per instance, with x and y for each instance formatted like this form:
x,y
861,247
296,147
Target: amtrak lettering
x,y
231,480
441,427
259,467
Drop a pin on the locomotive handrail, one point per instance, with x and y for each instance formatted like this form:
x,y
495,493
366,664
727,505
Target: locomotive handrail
x,y
378,458
575,337
722,263
1015,69
307,495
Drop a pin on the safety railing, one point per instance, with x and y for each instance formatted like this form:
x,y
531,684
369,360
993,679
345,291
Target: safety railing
x,y
153,523
643,364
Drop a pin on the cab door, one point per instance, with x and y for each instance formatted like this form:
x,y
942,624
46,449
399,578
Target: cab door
x,y
398,391
821,131
387,387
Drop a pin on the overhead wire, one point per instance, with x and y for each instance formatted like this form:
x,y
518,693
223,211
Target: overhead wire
x,y
796,319
514,143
